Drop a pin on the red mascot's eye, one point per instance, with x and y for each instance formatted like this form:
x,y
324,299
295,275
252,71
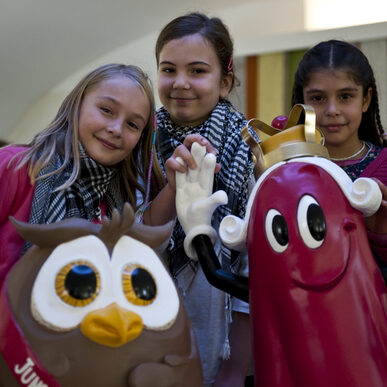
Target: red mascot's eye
x,y
316,222
276,231
311,222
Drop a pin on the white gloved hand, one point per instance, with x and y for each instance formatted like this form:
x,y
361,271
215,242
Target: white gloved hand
x,y
194,202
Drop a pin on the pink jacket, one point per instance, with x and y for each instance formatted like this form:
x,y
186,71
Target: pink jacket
x,y
16,193
378,169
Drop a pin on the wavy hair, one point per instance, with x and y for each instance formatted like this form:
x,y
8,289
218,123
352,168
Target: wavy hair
x,y
61,136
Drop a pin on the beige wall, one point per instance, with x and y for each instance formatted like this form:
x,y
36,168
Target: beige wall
x,y
257,26
376,52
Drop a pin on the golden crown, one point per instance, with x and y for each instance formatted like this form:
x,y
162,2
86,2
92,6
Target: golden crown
x,y
294,140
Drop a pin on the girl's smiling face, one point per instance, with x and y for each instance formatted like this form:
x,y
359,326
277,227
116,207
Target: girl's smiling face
x,y
339,104
190,80
112,117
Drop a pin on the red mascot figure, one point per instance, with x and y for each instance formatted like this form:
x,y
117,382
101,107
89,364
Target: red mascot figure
x,y
317,298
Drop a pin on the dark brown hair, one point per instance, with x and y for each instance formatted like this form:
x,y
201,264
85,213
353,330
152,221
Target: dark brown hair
x,y
212,29
337,54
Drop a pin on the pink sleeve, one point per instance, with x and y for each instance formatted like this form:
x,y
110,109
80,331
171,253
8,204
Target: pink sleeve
x,y
16,193
15,188
378,168
8,186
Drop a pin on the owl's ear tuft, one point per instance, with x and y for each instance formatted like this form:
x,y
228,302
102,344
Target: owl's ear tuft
x,y
112,230
51,235
119,224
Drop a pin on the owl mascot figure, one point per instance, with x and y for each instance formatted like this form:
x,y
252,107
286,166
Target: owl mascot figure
x,y
317,298
92,305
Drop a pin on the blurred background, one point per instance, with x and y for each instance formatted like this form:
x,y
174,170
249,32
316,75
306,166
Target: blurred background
x,y
48,45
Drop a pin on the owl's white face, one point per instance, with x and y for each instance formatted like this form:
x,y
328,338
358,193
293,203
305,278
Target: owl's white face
x,y
81,276
105,311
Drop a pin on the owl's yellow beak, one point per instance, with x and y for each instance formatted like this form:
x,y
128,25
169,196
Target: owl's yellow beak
x,y
112,326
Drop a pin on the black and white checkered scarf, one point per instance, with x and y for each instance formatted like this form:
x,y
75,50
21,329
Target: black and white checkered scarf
x,y
223,130
81,199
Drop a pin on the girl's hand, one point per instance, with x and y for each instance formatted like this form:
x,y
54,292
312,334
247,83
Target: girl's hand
x,y
184,152
377,223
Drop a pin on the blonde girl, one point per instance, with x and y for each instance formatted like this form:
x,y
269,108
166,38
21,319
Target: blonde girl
x,y
87,162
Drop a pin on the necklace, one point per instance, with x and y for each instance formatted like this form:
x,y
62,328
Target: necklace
x,y
353,155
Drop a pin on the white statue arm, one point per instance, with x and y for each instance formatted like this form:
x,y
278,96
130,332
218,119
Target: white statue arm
x,y
195,202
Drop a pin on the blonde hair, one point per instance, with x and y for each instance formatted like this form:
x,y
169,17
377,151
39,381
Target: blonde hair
x,y
61,136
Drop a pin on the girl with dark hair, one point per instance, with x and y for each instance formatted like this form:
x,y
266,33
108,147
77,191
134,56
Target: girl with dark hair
x,y
336,78
195,76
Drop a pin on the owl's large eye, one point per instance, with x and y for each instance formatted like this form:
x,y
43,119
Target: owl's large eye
x,y
276,231
142,284
81,276
311,222
138,285
77,283
74,280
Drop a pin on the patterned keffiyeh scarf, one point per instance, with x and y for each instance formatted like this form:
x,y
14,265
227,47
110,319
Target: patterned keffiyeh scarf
x,y
81,199
223,130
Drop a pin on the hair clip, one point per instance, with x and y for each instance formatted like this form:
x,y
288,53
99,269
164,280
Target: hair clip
x,y
229,67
